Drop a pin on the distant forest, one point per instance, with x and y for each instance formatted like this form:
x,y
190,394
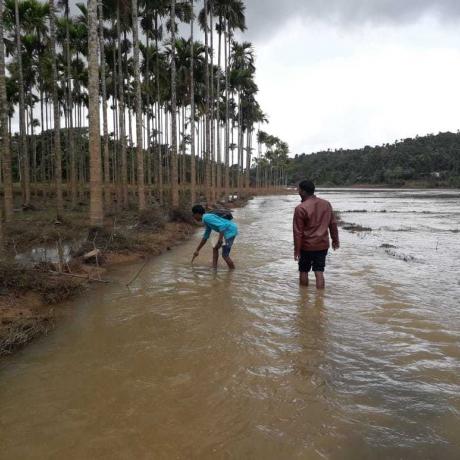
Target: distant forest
x,y
431,161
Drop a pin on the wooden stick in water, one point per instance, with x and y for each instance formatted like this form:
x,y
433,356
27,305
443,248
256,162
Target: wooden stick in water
x,y
138,272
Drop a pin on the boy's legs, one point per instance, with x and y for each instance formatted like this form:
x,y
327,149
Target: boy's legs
x,y
229,262
226,248
215,257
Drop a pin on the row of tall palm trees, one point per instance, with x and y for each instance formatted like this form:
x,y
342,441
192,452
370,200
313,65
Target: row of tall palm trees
x,y
120,103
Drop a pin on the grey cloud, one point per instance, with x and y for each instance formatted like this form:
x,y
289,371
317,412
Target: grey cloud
x,y
266,16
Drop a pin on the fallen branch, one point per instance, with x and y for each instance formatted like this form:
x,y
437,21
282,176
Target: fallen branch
x,y
87,278
134,278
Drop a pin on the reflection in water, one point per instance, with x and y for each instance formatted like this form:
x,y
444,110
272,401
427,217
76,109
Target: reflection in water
x,y
194,363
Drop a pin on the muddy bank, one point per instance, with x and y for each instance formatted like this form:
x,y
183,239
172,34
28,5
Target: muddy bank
x,y
30,296
71,259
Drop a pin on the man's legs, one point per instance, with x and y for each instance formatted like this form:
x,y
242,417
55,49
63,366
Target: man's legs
x,y
319,263
304,267
303,278
315,260
320,283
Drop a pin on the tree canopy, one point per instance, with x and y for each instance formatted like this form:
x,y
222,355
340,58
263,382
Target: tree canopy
x,y
432,160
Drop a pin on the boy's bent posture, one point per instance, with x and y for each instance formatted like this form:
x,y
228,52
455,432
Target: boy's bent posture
x,y
313,221
226,229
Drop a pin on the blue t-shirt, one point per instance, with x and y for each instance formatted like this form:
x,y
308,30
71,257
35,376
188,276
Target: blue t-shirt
x,y
219,224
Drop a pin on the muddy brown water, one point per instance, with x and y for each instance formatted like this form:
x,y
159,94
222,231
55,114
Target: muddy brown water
x,y
191,363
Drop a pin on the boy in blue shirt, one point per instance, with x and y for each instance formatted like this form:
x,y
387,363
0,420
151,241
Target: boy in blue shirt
x,y
226,229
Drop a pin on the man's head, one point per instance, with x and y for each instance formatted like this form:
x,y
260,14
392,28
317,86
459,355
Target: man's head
x,y
198,212
306,188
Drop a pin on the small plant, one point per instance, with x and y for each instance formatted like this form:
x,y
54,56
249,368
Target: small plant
x,y
181,215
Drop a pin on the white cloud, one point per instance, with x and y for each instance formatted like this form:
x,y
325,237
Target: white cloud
x,y
324,87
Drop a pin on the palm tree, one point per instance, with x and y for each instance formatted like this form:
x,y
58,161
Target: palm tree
x,y
137,82
174,175
52,55
252,113
121,110
96,208
4,133
22,117
107,188
57,115
231,17
69,104
192,113
207,150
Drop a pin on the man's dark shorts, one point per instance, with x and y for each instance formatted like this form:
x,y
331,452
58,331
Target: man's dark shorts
x,y
315,260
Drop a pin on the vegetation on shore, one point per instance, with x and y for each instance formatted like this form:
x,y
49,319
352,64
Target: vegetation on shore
x,y
68,260
430,161
116,104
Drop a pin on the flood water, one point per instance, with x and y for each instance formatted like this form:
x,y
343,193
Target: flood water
x,y
190,363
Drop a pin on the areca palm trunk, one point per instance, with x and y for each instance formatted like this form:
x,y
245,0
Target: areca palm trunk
x,y
192,115
248,157
96,212
214,164
1,233
121,118
207,165
137,82
22,116
5,152
57,116
219,151
70,133
240,144
174,175
147,97
227,111
107,186
158,115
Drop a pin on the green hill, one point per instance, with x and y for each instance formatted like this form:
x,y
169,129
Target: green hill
x,y
431,161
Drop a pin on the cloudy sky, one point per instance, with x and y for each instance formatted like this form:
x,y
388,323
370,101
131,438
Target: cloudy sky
x,y
349,73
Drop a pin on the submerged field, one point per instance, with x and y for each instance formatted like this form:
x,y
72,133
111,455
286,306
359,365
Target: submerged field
x,y
187,362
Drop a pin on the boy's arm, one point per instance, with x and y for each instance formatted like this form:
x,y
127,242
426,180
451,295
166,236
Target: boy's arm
x,y
197,252
203,241
220,240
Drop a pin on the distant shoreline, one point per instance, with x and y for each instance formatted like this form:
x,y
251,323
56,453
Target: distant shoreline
x,y
412,186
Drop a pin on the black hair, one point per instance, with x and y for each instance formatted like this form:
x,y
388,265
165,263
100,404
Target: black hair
x,y
198,209
307,186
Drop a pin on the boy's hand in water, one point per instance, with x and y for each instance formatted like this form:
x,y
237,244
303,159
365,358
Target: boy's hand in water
x,y
335,245
195,255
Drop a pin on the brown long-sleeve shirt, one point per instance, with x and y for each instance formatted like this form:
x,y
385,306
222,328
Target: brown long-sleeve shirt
x,y
313,221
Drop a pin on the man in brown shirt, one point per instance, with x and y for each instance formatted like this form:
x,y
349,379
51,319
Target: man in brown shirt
x,y
313,221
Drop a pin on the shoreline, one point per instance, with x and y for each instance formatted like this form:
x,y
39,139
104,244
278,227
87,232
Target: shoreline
x,y
414,186
30,298
26,315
